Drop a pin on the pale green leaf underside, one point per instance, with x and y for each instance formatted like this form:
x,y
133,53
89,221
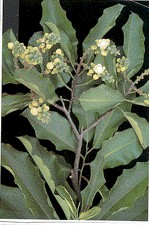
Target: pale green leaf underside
x,y
57,130
140,126
90,213
134,43
28,179
129,187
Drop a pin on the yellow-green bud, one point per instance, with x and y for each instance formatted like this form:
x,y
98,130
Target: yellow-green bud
x,y
103,53
35,103
123,69
30,105
39,109
40,100
10,45
96,77
57,60
34,111
50,65
45,108
48,46
146,102
59,51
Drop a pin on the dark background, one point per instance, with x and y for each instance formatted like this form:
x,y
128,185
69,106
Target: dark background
x,y
24,16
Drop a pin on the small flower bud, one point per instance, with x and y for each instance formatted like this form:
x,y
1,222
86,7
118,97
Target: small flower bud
x,y
35,103
34,111
99,69
59,51
10,45
40,100
50,65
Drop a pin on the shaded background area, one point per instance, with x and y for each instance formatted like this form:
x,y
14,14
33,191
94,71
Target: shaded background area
x,y
24,16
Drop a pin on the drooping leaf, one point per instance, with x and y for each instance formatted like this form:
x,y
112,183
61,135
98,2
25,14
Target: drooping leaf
x,y
106,127
57,130
90,213
85,118
67,197
96,181
45,161
11,103
35,81
104,24
100,99
120,149
9,210
7,78
139,212
134,43
27,177
53,12
140,126
128,188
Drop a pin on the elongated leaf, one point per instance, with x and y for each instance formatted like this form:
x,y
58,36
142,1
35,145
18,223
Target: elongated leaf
x,y
104,192
140,126
27,178
8,63
56,164
96,181
139,101
90,213
44,162
106,128
129,187
7,78
100,99
85,118
145,87
35,81
67,197
139,212
11,103
57,130
120,149
104,24
52,12
134,43
13,204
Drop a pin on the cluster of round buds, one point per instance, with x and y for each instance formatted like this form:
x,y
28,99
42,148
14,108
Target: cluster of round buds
x,y
99,71
57,63
47,41
112,50
17,48
122,64
40,109
33,56
101,46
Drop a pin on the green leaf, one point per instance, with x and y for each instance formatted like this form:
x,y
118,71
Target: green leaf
x,y
35,81
120,149
7,78
128,188
27,177
104,192
90,213
34,37
64,41
67,197
96,181
11,103
104,24
145,87
53,12
134,43
85,118
57,130
106,128
139,212
45,161
9,210
100,99
56,164
139,101
140,126
8,63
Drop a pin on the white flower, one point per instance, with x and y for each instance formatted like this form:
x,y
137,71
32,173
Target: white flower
x,y
103,43
99,69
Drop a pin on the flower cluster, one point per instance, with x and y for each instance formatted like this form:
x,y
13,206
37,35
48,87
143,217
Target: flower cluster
x,y
40,109
99,71
122,64
47,41
17,48
57,63
30,55
103,47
